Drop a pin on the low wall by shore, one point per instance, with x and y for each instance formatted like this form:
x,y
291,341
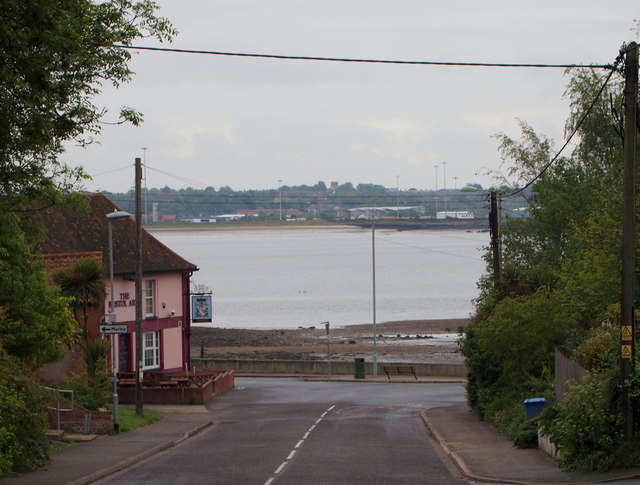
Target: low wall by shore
x,y
319,367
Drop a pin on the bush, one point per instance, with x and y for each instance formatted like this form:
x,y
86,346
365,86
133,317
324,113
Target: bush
x,y
507,413
527,434
510,356
586,426
23,419
92,392
92,388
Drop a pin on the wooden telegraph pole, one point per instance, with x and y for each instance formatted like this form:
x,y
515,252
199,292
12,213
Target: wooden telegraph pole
x,y
139,299
627,323
494,232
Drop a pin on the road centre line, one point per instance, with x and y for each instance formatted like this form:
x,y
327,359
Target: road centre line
x,y
297,445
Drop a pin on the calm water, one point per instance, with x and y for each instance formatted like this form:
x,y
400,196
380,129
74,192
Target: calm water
x,y
302,277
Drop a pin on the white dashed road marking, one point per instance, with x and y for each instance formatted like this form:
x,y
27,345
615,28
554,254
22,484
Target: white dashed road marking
x,y
295,448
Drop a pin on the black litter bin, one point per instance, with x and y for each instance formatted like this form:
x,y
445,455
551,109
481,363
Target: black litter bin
x,y
359,368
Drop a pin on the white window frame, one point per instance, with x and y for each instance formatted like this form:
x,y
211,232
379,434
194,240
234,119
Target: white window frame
x,y
150,298
151,350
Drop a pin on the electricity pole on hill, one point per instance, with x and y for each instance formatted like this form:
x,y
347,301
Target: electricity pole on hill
x,y
627,319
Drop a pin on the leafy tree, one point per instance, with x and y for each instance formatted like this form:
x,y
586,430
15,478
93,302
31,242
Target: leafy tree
x,y
54,57
371,189
35,326
35,320
560,276
347,187
84,283
23,418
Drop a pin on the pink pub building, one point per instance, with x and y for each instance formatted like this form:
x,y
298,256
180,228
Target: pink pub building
x,y
72,235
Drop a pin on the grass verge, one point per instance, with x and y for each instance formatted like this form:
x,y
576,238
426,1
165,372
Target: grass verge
x,y
129,420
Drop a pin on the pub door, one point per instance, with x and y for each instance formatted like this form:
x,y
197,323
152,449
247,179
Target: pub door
x,y
124,346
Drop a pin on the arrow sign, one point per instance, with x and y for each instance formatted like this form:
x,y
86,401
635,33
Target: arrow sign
x,y
114,329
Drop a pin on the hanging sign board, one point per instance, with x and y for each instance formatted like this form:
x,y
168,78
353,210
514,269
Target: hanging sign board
x,y
201,308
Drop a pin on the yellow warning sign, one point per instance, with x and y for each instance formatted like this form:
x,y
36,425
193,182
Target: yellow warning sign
x,y
627,333
625,351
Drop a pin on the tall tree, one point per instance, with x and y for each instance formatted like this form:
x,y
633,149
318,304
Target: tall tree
x,y
55,55
35,321
563,262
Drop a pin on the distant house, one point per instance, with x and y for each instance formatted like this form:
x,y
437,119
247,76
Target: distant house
x,y
165,281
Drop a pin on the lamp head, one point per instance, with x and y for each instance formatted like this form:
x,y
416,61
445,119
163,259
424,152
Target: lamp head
x,y
116,214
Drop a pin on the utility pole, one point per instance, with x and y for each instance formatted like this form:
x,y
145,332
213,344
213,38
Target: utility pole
x,y
494,232
138,283
280,196
627,320
398,196
144,163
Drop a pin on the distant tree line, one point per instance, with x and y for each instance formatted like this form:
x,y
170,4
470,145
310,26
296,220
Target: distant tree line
x,y
317,200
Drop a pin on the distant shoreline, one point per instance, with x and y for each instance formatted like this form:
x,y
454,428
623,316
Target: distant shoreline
x,y
475,225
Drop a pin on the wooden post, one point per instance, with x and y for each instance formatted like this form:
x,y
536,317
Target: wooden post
x,y
494,232
627,320
138,283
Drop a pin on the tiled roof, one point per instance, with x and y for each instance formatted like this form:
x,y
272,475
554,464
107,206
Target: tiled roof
x,y
55,262
77,232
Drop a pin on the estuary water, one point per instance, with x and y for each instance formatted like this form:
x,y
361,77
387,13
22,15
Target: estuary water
x,y
302,277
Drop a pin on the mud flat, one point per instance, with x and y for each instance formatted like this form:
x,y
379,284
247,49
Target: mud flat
x,y
427,341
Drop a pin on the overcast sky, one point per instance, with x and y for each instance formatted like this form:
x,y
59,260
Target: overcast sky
x,y
249,123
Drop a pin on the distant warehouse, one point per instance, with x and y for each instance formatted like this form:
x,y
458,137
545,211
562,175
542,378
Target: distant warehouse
x,y
455,215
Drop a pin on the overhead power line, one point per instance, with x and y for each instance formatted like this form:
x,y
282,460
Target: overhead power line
x,y
568,140
367,61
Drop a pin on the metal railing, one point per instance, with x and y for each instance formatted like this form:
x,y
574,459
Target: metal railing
x,y
58,409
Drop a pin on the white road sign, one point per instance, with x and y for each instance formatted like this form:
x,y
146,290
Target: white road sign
x,y
114,329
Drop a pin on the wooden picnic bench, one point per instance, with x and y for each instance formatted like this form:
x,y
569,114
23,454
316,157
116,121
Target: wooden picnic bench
x,y
399,369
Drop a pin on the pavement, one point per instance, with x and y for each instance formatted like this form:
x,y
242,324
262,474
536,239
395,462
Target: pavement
x,y
479,451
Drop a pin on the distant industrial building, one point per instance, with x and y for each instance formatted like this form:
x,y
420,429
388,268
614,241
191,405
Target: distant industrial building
x,y
454,215
377,212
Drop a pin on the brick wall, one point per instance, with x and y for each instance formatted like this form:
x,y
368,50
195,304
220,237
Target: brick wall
x,y
213,382
101,422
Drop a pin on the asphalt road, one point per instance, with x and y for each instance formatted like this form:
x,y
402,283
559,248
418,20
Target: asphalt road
x,y
288,431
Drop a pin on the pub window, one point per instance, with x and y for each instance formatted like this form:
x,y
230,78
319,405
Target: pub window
x,y
151,348
149,298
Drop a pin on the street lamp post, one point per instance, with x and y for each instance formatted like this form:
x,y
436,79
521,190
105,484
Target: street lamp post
x,y
436,193
444,186
112,318
326,325
373,277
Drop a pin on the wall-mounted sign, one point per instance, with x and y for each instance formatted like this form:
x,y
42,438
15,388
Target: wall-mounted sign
x,y
201,308
113,328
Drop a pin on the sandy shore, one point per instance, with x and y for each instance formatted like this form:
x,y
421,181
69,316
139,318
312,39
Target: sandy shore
x,y
430,341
